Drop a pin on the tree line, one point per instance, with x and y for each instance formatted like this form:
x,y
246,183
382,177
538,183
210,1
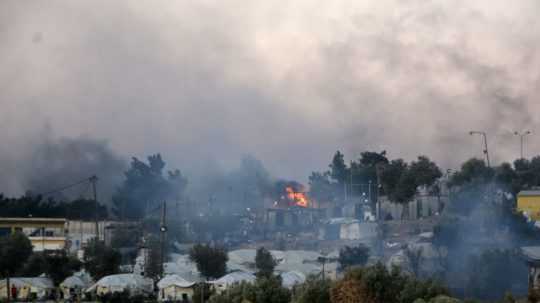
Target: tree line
x,y
375,173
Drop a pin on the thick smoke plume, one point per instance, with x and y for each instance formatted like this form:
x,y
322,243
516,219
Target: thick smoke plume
x,y
53,164
204,81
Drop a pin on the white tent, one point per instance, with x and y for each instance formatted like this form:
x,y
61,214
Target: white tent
x,y
133,283
28,288
174,280
232,278
175,288
75,284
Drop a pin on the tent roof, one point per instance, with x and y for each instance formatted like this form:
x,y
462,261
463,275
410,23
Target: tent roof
x,y
235,277
39,282
79,279
124,281
175,280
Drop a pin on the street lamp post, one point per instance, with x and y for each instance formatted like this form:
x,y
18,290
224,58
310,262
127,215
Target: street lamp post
x,y
486,152
522,135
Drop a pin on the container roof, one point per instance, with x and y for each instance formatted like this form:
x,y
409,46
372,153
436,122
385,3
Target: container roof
x,y
528,193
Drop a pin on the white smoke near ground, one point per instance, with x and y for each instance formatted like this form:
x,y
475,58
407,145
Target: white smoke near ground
x,y
289,83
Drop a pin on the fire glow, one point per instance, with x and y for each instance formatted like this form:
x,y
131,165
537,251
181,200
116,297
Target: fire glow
x,y
299,198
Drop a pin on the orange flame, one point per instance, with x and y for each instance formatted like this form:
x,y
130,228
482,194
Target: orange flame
x,y
299,198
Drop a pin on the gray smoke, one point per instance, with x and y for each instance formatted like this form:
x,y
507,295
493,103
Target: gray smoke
x,y
234,190
52,164
205,82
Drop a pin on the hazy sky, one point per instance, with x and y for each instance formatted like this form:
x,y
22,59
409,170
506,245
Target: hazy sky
x,y
289,82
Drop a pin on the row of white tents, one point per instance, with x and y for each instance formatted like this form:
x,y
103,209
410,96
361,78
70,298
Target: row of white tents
x,y
181,276
171,288
39,288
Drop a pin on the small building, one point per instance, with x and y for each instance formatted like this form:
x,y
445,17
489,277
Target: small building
x,y
75,285
174,288
528,202
531,255
28,289
44,233
230,279
132,283
348,229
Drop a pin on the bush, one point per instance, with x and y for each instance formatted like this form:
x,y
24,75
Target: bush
x,y
377,284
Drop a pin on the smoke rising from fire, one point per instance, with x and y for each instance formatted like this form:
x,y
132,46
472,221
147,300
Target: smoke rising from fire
x,y
51,164
205,82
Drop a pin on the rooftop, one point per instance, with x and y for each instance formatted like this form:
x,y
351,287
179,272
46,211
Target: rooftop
x,y
32,219
528,193
531,253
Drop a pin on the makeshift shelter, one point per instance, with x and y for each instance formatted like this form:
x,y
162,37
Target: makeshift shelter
x,y
75,285
230,279
27,289
132,283
175,288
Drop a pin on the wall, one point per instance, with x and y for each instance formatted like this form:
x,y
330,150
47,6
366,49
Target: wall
x,y
530,205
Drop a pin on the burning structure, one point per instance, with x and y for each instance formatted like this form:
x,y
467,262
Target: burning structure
x,y
291,194
291,208
298,198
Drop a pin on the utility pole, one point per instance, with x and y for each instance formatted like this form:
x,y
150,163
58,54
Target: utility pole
x,y
484,136
94,180
162,237
323,260
369,192
351,172
379,170
345,189
522,135
8,290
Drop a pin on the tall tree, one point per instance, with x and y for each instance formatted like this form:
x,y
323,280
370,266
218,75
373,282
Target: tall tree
x,y
320,187
264,262
211,261
391,176
101,260
371,159
472,170
14,251
367,169
425,171
145,186
338,168
56,265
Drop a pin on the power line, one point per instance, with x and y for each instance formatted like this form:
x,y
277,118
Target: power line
x,y
60,189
